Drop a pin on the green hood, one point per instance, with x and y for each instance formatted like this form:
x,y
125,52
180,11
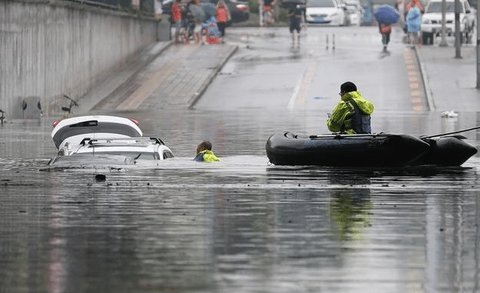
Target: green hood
x,y
364,105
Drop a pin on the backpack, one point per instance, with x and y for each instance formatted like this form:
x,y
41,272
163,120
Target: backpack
x,y
385,29
360,121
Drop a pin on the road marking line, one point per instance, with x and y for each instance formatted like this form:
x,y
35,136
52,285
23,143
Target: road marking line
x,y
414,85
303,85
413,80
293,98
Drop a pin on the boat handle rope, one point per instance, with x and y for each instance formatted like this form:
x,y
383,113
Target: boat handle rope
x,y
448,133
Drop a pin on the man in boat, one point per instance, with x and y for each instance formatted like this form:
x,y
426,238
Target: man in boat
x,y
204,153
352,114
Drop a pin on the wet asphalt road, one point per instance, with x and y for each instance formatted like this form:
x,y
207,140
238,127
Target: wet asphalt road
x,y
269,71
241,225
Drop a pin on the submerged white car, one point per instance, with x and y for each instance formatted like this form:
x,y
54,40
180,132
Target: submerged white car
x,y
105,139
331,12
114,151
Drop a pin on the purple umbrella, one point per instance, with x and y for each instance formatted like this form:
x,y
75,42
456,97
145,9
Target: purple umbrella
x,y
386,14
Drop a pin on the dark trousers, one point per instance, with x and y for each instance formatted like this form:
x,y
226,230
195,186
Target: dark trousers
x,y
221,28
385,38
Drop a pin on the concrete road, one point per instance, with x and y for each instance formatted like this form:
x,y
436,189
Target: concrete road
x,y
269,71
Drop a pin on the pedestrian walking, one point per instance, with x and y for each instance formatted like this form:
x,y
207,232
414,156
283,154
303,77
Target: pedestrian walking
x,y
414,3
352,114
295,18
385,30
267,12
197,17
176,20
188,22
223,17
414,22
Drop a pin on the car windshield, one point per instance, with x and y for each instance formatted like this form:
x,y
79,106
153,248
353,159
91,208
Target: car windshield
x,y
133,155
320,3
436,7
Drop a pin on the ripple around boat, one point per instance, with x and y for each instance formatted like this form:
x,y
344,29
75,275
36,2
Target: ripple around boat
x,y
366,150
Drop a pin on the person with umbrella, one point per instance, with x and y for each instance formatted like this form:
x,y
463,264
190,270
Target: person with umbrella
x,y
386,15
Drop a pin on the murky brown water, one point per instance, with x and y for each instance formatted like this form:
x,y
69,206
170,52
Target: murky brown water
x,y
241,225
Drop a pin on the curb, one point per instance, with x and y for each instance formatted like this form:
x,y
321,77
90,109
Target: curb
x,y
194,99
426,86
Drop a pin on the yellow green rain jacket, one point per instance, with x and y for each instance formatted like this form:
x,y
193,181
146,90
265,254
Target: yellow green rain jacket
x,y
206,156
340,119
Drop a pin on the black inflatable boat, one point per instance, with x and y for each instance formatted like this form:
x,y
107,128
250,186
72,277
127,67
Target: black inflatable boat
x,y
380,150
446,151
344,150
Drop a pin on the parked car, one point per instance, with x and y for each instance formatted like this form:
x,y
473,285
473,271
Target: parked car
x,y
330,12
354,12
432,20
239,10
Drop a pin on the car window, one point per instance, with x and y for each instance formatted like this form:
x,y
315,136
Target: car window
x,y
167,155
133,155
320,3
436,7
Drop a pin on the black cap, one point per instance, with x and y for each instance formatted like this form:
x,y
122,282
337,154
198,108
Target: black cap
x,y
347,87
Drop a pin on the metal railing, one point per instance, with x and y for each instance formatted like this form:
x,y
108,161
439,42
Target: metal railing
x,y
147,7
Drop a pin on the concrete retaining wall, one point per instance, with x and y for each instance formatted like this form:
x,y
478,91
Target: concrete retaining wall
x,y
52,47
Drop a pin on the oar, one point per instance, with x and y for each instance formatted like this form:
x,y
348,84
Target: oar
x,y
344,135
453,132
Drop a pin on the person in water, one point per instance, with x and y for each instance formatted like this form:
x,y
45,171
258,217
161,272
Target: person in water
x,y
204,153
352,114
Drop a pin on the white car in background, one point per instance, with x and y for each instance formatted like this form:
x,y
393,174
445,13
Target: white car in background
x,y
354,11
432,20
331,12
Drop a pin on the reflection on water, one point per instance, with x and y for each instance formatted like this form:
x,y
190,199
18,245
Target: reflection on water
x,y
241,225
350,213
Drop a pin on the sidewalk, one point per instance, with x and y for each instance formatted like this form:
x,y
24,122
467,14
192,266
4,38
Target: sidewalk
x,y
175,77
450,83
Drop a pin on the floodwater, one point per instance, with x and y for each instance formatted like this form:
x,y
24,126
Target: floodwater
x,y
240,225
